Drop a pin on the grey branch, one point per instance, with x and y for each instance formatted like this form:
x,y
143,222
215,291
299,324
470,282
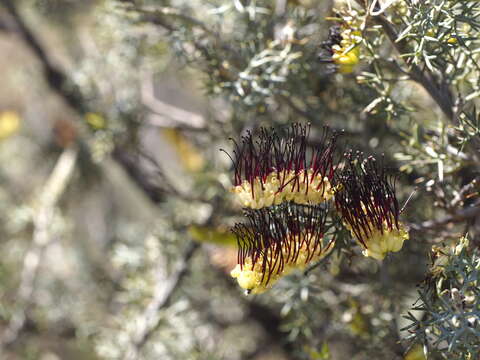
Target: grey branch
x,y
42,219
438,90
166,115
162,296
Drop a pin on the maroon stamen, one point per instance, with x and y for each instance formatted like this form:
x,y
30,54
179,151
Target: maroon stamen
x,y
259,156
367,198
273,237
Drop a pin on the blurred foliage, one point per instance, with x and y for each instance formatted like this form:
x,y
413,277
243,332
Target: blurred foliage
x,y
9,124
451,301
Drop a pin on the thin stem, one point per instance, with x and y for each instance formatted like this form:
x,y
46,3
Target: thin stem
x,y
50,194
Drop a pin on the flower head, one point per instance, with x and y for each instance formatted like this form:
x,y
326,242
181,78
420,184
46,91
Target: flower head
x,y
369,208
270,169
277,240
342,46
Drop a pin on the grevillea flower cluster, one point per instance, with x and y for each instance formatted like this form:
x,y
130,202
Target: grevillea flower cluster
x,y
285,188
369,207
277,240
273,169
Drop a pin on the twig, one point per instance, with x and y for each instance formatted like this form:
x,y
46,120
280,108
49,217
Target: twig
x,y
462,215
56,78
305,114
161,109
440,93
51,193
464,192
310,117
132,166
163,11
162,296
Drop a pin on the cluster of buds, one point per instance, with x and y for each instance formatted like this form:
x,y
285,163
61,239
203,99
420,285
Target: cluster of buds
x,y
286,187
342,44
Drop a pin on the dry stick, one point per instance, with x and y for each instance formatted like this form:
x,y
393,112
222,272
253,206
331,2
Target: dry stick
x,y
51,193
167,115
162,296
56,79
463,193
163,11
462,215
440,93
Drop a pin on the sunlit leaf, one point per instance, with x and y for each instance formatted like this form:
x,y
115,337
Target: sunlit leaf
x,y
96,121
218,236
415,353
189,155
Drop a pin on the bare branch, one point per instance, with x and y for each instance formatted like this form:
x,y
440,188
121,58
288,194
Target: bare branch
x,y
162,11
166,114
464,192
51,193
439,92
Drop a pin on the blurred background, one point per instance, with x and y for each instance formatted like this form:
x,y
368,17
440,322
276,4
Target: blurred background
x,y
115,205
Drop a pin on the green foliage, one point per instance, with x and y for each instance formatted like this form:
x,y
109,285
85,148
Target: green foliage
x,y
450,300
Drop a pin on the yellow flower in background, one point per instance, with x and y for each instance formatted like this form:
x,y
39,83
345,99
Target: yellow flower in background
x,y
9,123
452,40
342,46
347,53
